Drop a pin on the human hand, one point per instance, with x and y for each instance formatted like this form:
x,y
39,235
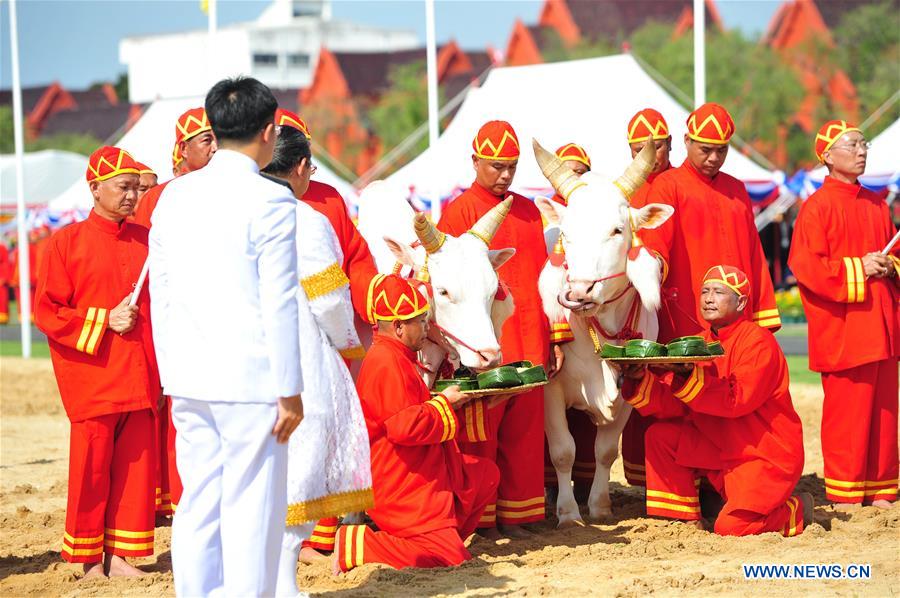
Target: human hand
x,y
455,397
290,414
123,317
877,265
555,362
635,371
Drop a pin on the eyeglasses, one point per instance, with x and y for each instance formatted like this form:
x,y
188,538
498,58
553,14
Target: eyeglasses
x,y
862,144
312,168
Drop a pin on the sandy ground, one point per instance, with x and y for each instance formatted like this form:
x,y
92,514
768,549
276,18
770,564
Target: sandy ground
x,y
631,556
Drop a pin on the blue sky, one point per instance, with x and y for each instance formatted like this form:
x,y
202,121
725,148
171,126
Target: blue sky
x,y
76,41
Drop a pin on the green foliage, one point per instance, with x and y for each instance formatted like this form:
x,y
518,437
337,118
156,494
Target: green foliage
x,y
121,87
750,79
73,142
868,50
401,109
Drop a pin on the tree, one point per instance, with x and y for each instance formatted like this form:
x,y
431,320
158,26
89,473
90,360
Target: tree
x,y
401,109
868,50
761,92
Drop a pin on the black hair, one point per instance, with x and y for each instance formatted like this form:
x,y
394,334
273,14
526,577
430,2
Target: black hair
x,y
239,108
291,147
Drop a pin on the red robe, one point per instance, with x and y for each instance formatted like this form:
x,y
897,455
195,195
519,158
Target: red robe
x,y
359,265
738,427
108,382
712,224
428,495
516,437
5,274
854,336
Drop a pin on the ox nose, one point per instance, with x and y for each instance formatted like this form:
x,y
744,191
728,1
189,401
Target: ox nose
x,y
580,292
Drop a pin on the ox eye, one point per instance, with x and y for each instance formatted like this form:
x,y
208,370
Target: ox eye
x,y
442,292
616,231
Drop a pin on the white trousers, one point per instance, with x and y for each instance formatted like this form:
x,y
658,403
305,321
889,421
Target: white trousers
x,y
227,531
290,556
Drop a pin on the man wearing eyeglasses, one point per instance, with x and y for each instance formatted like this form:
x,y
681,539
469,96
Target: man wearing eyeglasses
x,y
848,283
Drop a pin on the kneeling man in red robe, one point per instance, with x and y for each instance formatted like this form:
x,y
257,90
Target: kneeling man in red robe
x,y
428,495
730,420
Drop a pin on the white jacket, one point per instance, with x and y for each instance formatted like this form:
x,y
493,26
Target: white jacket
x,y
223,285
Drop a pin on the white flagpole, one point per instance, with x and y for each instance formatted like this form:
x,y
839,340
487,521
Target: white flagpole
x,y
22,216
431,61
212,25
699,53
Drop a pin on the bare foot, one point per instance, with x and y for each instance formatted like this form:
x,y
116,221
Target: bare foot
x,y
808,508
93,571
515,531
308,556
163,521
116,566
883,504
335,567
489,533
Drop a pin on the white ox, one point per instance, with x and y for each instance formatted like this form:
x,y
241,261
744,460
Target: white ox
x,y
461,271
596,289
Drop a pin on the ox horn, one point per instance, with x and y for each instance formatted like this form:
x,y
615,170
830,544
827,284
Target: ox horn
x,y
430,237
563,179
638,171
487,225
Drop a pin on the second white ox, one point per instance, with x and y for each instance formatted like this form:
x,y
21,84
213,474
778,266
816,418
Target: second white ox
x,y
461,271
602,293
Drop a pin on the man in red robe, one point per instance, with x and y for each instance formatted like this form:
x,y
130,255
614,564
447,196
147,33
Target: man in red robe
x,y
359,265
148,180
516,435
5,274
195,145
713,221
734,423
647,126
850,294
429,496
105,365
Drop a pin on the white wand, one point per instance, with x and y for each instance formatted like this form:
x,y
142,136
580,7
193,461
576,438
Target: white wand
x,y
890,245
140,283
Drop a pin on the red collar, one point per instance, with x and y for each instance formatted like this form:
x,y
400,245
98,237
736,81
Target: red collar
x,y
686,165
727,331
833,185
382,339
108,226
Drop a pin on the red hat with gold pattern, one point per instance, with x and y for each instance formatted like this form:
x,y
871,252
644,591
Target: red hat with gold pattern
x,y
496,140
829,133
731,277
710,123
573,151
144,169
647,124
286,118
109,161
191,123
394,298
177,158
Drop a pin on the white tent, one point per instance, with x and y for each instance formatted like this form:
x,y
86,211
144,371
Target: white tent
x,y
584,101
150,141
882,164
47,173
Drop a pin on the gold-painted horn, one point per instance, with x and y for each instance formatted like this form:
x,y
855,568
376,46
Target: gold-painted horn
x,y
487,225
430,237
638,171
563,179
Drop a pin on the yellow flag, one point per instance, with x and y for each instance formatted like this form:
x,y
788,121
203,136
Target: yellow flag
x,y
204,6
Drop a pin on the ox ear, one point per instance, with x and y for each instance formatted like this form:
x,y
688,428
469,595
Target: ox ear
x,y
552,212
651,216
499,257
403,253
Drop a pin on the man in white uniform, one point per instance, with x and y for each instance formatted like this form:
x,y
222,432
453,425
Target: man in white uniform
x,y
224,287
